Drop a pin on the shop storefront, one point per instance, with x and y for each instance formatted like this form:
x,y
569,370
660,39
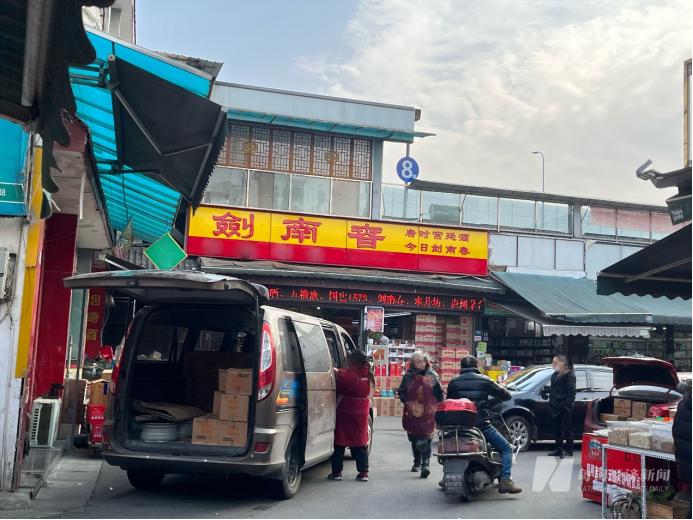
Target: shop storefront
x,y
334,268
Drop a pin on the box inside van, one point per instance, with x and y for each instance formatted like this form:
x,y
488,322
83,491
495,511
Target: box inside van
x,y
181,361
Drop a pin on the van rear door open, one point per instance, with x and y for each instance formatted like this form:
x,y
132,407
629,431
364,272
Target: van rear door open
x,y
152,286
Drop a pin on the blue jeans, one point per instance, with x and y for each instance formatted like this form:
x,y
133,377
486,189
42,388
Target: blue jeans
x,y
500,443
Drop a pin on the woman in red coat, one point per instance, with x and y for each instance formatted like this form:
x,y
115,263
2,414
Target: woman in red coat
x,y
353,403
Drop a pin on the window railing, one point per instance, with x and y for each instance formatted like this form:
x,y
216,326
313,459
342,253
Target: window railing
x,y
452,209
275,191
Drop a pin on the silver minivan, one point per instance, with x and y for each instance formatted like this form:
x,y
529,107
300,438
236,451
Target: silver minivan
x,y
189,326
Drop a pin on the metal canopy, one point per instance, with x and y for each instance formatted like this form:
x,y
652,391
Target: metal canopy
x,y
326,126
575,301
155,134
661,269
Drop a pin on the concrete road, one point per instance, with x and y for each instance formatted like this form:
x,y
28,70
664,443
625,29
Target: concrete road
x,y
552,490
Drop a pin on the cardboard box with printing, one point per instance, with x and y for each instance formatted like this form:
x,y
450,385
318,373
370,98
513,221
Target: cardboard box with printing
x,y
234,407
236,381
208,430
387,407
639,410
622,407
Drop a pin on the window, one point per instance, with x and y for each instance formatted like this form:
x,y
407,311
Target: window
x,y
159,341
348,343
334,347
598,221
517,214
289,345
553,217
479,210
226,187
310,195
633,224
581,383
400,203
268,190
282,149
602,380
441,208
351,199
316,357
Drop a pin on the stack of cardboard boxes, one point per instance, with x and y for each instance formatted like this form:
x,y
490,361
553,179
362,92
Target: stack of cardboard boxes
x,y
227,425
625,409
388,406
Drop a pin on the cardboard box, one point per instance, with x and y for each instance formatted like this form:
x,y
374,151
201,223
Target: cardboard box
x,y
387,407
448,365
461,353
612,417
232,433
98,392
205,430
236,381
622,407
234,408
448,353
639,410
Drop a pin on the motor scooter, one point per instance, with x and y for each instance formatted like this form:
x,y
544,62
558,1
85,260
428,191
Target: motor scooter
x,y
470,464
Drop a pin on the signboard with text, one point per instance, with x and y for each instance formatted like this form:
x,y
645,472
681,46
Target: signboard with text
x,y
261,235
387,299
375,319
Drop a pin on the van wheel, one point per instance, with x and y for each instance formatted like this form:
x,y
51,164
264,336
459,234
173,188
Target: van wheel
x,y
290,478
145,479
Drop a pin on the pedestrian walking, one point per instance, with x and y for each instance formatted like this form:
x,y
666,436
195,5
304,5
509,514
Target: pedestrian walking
x,y
561,399
682,446
354,385
420,391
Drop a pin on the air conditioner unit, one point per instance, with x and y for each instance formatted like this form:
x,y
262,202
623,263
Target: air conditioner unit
x,y
45,419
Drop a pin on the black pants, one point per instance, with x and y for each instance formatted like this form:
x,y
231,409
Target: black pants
x,y
360,454
421,449
563,430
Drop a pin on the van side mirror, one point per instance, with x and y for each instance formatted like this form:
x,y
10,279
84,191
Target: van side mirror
x,y
545,391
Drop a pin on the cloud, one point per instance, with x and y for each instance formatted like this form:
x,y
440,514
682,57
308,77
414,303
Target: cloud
x,y
596,85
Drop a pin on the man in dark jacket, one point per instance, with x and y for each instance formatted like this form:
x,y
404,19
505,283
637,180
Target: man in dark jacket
x,y
561,400
682,444
472,385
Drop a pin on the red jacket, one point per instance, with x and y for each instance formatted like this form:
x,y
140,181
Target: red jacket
x,y
353,398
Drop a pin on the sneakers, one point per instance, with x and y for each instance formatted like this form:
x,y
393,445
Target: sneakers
x,y
425,472
508,486
415,468
335,475
362,477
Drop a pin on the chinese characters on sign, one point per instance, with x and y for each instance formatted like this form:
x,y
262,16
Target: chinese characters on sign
x,y
262,235
380,298
94,319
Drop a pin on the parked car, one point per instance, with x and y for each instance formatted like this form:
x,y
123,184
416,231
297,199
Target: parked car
x,y
637,378
527,413
220,322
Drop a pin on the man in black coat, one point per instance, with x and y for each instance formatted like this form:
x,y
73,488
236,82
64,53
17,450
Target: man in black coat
x,y
473,385
682,444
561,400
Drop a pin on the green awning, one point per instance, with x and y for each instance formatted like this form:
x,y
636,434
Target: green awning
x,y
575,300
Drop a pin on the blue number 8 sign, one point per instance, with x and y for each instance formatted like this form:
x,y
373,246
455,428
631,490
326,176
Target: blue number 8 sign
x,y
407,169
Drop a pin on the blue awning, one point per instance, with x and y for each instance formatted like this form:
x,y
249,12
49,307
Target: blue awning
x,y
13,154
575,300
316,125
154,133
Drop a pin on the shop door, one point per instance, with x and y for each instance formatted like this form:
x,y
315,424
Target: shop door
x,y
321,406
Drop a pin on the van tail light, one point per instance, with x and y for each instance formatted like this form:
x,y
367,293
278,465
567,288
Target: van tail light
x,y
268,364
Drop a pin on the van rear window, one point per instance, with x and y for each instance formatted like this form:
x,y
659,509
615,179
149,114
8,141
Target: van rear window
x,y
170,332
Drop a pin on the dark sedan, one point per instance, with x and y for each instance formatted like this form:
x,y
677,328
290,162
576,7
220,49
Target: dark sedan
x,y
527,413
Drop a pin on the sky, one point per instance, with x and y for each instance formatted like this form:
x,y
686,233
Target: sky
x,y
596,85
